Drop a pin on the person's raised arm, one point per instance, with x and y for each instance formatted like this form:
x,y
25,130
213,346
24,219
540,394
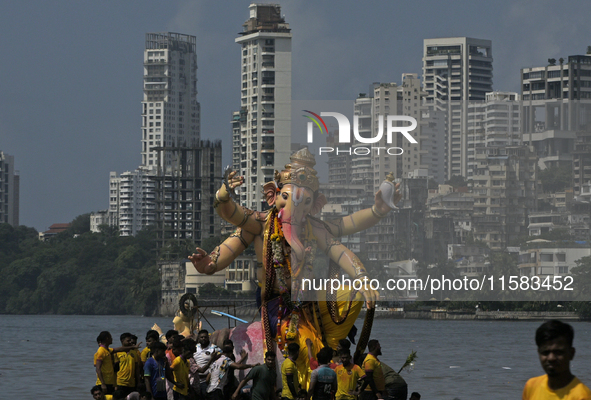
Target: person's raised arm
x,y
313,362
236,365
243,356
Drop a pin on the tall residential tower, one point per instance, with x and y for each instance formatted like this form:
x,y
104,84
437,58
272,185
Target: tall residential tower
x,y
9,190
170,111
265,102
455,71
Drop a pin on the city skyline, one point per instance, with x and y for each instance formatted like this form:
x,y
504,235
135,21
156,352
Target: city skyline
x,y
70,108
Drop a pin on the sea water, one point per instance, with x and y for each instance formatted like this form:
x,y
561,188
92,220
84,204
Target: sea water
x,y
51,357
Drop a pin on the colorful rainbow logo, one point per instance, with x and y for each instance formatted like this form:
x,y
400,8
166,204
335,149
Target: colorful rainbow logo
x,y
316,121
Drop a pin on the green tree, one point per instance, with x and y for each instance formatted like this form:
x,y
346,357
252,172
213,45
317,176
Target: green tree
x,y
457,181
582,278
556,179
211,291
79,225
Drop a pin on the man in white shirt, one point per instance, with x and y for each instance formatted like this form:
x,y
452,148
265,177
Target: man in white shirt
x,y
222,368
205,355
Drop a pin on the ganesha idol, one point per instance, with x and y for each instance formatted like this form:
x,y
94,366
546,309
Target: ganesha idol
x,y
286,238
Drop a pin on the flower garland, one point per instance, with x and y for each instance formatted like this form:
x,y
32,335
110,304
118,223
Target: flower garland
x,y
283,269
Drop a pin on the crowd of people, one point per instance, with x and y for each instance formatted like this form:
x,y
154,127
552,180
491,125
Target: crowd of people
x,y
189,369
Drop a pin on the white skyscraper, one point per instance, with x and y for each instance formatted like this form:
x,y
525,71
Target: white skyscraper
x,y
265,102
132,200
455,71
170,111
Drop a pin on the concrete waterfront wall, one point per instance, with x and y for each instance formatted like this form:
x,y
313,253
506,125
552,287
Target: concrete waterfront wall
x,y
443,314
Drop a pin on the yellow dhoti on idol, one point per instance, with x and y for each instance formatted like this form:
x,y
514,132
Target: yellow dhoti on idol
x,y
309,328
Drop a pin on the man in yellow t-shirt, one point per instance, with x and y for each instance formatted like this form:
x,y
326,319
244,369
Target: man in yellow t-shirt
x,y
374,383
126,376
289,373
103,363
348,374
180,368
555,349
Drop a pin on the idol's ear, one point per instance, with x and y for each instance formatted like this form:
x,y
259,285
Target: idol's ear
x,y
318,204
270,191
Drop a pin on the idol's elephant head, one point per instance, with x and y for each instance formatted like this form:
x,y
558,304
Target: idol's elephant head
x,y
294,193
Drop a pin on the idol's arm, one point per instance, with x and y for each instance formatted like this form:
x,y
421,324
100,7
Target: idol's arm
x,y
231,212
348,262
223,254
363,219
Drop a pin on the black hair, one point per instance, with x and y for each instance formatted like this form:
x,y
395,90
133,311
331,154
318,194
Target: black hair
x,y
171,333
152,334
118,395
134,337
372,345
203,331
189,344
228,341
177,340
147,395
552,330
125,336
345,352
324,355
345,344
157,346
228,348
95,388
293,348
270,353
102,337
415,394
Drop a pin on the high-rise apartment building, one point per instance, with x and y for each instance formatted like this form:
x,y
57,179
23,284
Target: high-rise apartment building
x,y
170,111
132,200
493,122
393,99
361,162
455,71
172,153
361,169
504,191
557,114
9,190
265,101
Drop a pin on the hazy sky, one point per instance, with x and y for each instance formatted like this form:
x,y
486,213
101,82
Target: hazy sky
x,y
71,72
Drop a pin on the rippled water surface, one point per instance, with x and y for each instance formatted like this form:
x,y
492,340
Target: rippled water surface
x,y
51,357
